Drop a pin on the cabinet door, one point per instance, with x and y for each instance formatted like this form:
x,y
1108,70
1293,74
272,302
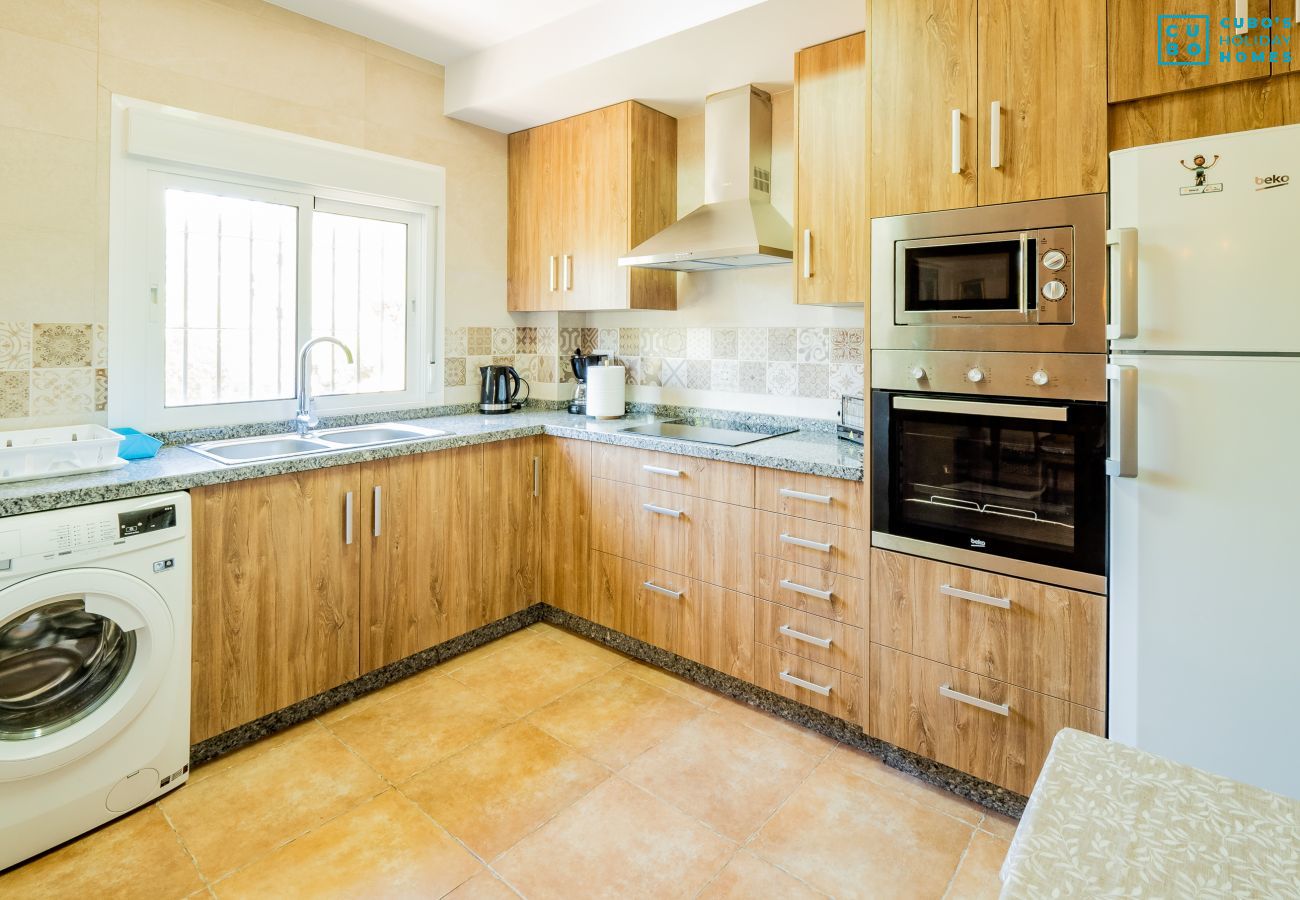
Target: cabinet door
x,y
922,69
275,594
564,522
1044,64
596,176
831,215
534,219
1286,35
502,501
1135,46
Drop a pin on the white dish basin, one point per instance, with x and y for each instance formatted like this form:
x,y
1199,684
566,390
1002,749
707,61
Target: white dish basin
x,y
283,446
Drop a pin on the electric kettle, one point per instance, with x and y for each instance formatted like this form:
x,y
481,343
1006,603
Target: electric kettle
x,y
498,394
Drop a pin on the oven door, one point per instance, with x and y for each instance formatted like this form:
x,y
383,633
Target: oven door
x,y
982,279
1000,481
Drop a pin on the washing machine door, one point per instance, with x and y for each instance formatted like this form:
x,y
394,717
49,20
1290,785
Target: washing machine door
x,y
81,653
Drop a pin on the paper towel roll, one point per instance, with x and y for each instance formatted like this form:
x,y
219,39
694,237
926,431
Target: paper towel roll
x,y
606,392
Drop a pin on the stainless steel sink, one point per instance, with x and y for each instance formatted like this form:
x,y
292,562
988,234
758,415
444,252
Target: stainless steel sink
x,y
283,446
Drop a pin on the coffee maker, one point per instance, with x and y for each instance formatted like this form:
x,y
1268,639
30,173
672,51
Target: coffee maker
x,y
580,362
499,388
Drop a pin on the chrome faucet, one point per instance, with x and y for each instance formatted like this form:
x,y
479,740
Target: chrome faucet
x,y
305,421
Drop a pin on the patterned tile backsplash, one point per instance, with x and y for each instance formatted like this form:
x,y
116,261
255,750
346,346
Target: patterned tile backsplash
x,y
52,369
821,363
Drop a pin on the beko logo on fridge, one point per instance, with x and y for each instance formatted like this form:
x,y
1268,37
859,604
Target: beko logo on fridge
x,y
1271,181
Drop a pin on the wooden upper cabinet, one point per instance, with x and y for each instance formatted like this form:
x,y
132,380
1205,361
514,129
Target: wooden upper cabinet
x,y
1137,47
1044,65
1286,37
584,191
923,67
831,215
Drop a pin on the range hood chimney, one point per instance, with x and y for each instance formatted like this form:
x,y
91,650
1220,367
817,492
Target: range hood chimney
x,y
737,227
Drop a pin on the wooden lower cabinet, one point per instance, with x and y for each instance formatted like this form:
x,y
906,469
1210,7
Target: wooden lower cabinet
x,y
826,594
275,594
564,524
810,683
988,728
823,641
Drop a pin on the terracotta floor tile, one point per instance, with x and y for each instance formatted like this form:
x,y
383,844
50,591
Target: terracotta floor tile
x,y
726,775
673,684
747,877
999,825
534,672
483,886
496,791
383,848
580,644
374,698
411,732
850,837
253,750
615,717
246,811
873,767
805,739
515,638
978,877
136,856
617,842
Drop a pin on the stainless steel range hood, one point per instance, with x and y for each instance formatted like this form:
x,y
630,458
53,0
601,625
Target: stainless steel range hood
x,y
737,227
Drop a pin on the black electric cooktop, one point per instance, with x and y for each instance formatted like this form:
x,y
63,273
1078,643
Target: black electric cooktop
x,y
709,431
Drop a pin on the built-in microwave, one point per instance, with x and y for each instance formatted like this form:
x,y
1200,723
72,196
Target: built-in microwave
x,y
1016,276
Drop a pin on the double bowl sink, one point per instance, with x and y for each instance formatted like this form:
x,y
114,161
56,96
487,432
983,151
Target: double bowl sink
x,y
283,446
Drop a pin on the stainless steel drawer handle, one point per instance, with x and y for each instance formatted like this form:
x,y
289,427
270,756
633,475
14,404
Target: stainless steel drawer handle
x,y
823,689
667,592
347,518
1001,602
379,510
789,632
804,542
804,495
662,510
1000,708
660,470
804,589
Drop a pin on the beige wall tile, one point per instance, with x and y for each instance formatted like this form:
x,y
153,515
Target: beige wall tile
x,y
402,97
74,22
392,54
15,394
48,183
62,392
119,75
47,273
315,122
48,86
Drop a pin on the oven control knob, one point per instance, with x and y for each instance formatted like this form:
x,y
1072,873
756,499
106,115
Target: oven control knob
x,y
1054,260
1040,378
918,373
1054,290
975,375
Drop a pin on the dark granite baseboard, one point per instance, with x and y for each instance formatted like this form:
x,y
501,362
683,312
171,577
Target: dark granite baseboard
x,y
985,794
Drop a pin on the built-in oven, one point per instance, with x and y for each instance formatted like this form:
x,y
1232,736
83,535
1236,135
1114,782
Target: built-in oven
x,y
1005,472
1012,277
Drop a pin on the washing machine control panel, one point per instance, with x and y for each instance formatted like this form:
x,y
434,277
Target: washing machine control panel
x,y
143,521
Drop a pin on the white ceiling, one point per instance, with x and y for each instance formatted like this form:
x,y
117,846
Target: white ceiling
x,y
512,64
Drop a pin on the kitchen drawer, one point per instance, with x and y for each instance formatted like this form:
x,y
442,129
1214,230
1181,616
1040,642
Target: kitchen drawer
x,y
826,594
988,728
823,641
833,500
723,481
820,545
1044,638
691,536
812,684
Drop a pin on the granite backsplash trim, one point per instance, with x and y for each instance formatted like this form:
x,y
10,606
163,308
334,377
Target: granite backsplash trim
x,y
52,369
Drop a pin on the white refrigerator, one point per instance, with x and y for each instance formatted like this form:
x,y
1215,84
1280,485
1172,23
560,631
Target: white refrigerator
x,y
1205,458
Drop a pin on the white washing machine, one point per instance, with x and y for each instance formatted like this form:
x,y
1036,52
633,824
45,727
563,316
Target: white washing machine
x,y
94,666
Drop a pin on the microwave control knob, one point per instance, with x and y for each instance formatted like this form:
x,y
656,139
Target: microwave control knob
x,y
917,373
1054,290
975,375
1040,378
1054,260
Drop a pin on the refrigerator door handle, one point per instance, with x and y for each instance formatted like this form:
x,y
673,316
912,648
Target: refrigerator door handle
x,y
1123,460
1123,320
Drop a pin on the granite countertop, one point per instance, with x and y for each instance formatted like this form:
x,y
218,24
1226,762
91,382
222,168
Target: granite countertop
x,y
814,451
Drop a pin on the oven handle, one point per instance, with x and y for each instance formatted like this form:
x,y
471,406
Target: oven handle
x,y
984,408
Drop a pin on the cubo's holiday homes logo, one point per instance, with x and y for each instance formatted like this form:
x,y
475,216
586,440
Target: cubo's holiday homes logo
x,y
1199,40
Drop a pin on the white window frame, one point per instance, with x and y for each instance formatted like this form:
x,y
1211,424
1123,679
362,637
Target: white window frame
x,y
154,148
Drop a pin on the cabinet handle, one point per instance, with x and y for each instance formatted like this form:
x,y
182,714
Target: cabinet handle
x,y
1241,13
789,632
804,542
804,589
951,591
807,253
554,275
995,134
667,592
956,142
804,495
662,510
537,476
1123,463
347,518
1000,708
568,272
1123,320
1022,282
823,689
660,470
379,499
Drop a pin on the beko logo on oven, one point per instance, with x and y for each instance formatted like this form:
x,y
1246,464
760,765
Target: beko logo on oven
x,y
1271,181
978,544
